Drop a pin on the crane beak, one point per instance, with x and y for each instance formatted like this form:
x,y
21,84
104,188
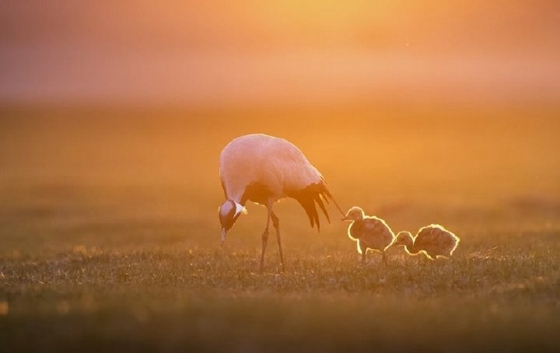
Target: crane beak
x,y
224,235
345,218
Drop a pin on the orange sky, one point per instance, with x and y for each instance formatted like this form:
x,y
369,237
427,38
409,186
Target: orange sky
x,y
218,52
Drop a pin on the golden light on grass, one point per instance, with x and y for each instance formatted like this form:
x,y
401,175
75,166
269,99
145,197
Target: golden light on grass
x,y
80,249
112,119
4,308
63,307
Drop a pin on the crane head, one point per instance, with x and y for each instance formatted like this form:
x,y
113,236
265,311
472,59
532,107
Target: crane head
x,y
354,214
229,212
403,238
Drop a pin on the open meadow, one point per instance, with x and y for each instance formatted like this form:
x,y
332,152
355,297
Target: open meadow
x,y
110,239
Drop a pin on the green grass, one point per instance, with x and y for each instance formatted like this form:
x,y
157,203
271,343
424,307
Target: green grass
x,y
123,254
187,293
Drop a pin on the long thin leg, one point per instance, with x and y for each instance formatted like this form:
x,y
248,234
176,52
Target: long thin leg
x,y
265,237
364,251
276,224
384,258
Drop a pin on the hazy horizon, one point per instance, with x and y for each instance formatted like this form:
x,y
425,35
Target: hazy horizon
x,y
197,53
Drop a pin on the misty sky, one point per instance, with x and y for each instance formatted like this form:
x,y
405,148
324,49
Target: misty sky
x,y
316,51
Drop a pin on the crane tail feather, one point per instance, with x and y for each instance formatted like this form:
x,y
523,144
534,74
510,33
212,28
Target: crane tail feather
x,y
319,200
311,196
328,196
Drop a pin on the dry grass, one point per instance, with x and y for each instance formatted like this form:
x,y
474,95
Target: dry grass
x,y
110,241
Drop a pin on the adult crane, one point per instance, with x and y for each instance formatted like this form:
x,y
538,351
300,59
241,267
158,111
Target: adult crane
x,y
264,169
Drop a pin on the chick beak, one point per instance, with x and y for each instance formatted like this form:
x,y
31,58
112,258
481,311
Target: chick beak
x,y
224,235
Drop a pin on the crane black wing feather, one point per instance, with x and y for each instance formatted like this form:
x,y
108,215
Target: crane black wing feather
x,y
308,197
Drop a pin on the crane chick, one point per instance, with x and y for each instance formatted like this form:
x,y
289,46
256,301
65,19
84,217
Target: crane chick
x,y
433,240
369,232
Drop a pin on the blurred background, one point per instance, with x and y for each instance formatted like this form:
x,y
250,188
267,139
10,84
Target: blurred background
x,y
250,52
116,111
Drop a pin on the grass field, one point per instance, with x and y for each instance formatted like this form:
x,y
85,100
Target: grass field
x,y
109,236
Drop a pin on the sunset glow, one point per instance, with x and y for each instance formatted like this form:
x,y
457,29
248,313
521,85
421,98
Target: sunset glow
x,y
135,135
281,52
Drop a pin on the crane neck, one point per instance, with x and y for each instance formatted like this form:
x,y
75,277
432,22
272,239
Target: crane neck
x,y
412,249
238,208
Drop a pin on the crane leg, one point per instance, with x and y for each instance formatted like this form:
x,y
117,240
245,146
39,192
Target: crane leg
x,y
265,238
276,224
363,249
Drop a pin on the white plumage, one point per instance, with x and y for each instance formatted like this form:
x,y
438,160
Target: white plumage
x,y
264,169
369,232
